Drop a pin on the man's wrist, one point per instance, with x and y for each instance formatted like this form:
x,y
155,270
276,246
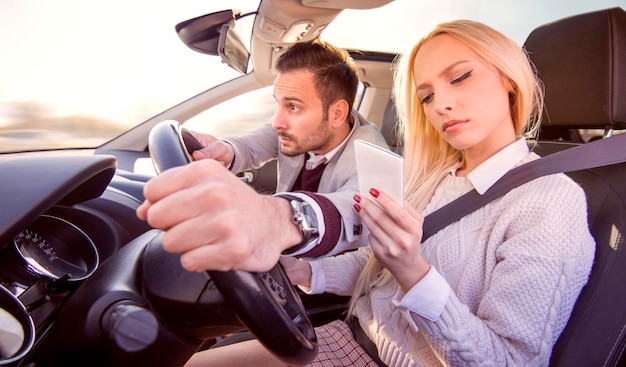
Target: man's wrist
x,y
231,149
304,218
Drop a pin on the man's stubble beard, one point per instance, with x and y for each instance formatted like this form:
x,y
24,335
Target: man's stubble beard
x,y
317,142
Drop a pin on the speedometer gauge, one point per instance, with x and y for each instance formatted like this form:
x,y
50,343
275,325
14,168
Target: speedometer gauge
x,y
47,255
54,248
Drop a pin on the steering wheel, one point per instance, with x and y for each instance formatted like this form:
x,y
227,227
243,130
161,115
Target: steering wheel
x,y
266,303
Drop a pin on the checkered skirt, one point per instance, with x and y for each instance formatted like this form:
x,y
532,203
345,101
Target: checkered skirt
x,y
337,347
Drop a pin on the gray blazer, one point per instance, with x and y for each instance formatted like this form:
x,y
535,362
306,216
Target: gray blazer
x,y
339,181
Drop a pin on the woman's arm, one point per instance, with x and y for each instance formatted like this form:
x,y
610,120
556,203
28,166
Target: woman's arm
x,y
337,274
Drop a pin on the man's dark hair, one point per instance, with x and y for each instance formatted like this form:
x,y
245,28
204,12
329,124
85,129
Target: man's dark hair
x,y
335,74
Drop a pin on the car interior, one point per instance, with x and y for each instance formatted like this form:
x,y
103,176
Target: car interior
x,y
112,304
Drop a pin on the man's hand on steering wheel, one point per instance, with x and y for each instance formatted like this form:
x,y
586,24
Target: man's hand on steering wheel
x,y
215,221
218,223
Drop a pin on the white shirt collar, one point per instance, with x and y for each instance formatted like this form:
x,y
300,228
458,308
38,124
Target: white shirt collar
x,y
317,159
491,170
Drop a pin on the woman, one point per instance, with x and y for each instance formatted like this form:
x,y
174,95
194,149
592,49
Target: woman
x,y
498,286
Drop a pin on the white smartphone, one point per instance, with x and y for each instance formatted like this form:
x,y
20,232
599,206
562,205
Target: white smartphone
x,y
379,168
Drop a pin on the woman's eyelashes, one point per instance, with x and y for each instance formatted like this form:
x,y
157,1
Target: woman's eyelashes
x,y
462,77
429,96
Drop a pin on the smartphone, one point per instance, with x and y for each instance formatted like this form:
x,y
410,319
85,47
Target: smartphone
x,y
379,168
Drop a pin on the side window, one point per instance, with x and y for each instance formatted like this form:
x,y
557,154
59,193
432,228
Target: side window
x,y
242,113
237,115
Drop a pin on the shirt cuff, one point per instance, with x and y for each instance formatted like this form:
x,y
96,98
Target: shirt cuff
x,y
427,298
318,280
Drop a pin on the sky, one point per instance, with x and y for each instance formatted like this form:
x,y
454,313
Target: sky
x,y
98,57
117,58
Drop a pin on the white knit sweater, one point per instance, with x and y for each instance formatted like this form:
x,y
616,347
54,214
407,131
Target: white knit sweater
x,y
501,288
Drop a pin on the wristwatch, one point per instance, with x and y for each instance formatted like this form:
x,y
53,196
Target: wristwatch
x,y
304,217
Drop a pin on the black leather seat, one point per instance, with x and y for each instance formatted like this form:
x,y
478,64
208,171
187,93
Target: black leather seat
x,y
582,62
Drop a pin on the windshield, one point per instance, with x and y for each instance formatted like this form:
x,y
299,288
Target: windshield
x,y
77,74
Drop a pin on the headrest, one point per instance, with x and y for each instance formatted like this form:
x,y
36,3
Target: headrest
x,y
390,125
582,63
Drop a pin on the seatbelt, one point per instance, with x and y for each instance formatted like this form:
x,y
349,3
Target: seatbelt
x,y
602,152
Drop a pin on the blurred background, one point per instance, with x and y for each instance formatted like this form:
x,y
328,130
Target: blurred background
x,y
77,73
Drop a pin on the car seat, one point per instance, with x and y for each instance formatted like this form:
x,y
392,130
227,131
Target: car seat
x,y
389,128
582,63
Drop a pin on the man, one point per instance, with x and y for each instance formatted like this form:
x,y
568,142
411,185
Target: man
x,y
217,222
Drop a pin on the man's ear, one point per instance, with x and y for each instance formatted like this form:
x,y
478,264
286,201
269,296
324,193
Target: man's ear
x,y
338,112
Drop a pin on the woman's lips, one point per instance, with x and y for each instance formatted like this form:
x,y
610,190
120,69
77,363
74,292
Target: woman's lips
x,y
452,123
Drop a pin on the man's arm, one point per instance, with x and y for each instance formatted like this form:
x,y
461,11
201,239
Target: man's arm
x,y
254,148
251,150
217,222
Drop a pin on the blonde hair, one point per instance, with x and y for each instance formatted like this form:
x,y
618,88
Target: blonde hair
x,y
428,157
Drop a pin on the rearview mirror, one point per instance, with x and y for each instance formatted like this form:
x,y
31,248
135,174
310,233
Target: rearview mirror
x,y
232,50
202,33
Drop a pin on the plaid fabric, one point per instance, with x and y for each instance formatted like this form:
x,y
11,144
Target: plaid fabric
x,y
337,347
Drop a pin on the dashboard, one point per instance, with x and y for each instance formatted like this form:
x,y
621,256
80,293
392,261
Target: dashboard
x,y
83,281
62,217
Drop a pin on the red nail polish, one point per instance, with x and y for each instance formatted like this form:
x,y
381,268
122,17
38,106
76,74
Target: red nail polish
x,y
374,192
357,198
357,207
